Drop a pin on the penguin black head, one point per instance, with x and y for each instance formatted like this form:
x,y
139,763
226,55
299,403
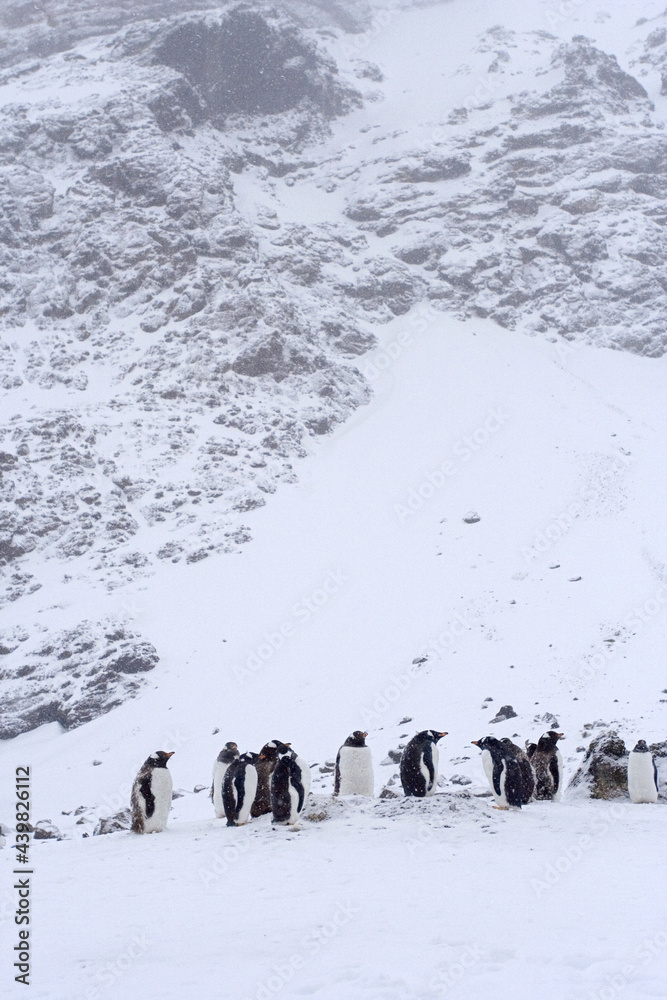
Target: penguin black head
x,y
429,736
489,743
249,757
160,758
229,752
549,740
357,739
271,749
641,747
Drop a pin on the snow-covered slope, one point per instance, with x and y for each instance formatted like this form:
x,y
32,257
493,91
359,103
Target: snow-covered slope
x,y
484,531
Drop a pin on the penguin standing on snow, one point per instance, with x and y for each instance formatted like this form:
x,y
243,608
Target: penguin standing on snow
x,y
268,758
238,789
503,772
527,772
354,767
642,774
228,754
151,794
548,766
290,784
419,763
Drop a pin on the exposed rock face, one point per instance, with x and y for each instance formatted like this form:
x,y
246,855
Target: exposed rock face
x,y
72,676
38,31
213,329
604,769
551,220
192,328
242,65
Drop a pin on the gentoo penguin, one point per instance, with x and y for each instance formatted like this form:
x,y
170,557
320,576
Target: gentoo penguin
x,y
268,758
229,753
527,772
419,763
503,772
151,794
354,767
642,774
290,784
238,789
548,766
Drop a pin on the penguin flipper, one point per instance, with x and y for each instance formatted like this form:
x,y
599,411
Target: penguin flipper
x,y
513,784
239,784
298,785
555,773
337,775
148,797
229,796
428,760
655,775
497,773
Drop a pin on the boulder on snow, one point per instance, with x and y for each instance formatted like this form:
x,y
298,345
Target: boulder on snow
x,y
504,713
121,820
604,769
46,830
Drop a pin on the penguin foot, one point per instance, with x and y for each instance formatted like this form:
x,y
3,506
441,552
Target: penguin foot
x,y
503,808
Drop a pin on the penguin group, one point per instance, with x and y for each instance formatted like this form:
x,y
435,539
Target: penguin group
x,y
517,777
277,780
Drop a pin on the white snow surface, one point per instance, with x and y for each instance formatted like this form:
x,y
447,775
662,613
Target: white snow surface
x,y
365,600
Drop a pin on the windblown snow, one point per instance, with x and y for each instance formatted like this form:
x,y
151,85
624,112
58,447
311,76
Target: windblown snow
x,y
333,355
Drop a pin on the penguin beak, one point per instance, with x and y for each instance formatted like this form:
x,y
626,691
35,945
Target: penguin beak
x,y
170,754
443,734
561,736
475,743
364,735
262,756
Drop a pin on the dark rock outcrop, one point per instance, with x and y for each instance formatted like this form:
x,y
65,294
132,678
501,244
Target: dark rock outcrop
x,y
604,770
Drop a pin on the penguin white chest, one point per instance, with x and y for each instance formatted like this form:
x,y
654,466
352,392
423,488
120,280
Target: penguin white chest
x,y
294,792
430,782
250,789
356,771
559,765
502,798
219,770
487,764
161,788
641,777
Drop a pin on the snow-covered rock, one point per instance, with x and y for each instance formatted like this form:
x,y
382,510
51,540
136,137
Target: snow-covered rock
x,y
71,676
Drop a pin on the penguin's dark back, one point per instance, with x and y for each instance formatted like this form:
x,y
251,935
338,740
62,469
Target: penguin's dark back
x,y
513,782
262,803
412,777
281,800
